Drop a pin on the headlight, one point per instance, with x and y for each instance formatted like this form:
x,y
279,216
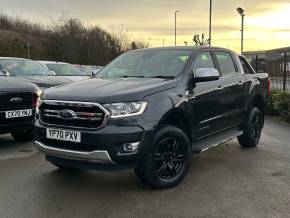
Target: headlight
x,y
119,110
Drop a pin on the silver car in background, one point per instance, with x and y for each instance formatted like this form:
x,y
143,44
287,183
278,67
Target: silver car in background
x,y
66,70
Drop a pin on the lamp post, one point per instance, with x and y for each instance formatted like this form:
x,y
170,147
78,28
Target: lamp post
x,y
28,50
210,17
175,26
242,13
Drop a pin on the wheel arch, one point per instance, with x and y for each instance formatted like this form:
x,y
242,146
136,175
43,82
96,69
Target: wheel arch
x,y
179,118
259,102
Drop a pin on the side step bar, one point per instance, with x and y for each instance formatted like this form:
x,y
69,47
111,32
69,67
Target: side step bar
x,y
216,139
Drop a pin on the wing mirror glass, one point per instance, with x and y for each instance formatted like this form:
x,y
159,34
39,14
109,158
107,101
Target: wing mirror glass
x,y
205,74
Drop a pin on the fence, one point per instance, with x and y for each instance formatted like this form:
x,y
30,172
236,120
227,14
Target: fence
x,y
274,62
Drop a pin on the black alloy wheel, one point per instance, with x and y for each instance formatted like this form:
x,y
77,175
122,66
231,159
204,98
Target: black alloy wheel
x,y
256,126
169,157
168,163
252,128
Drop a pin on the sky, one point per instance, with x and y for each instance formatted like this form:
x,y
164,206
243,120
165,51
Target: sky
x,y
267,22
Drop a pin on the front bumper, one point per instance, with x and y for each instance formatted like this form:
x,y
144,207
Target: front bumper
x,y
100,147
100,157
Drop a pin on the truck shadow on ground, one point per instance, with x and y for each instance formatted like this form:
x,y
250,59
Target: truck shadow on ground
x,y
212,174
202,166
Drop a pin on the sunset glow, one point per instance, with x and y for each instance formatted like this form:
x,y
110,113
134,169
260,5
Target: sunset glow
x,y
267,23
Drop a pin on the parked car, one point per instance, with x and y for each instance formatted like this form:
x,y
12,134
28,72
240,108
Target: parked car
x,y
150,109
65,70
18,100
30,71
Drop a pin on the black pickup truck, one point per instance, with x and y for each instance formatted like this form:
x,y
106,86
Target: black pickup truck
x,y
151,109
17,108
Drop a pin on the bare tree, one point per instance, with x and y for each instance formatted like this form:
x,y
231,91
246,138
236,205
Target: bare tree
x,y
65,39
200,40
120,35
139,44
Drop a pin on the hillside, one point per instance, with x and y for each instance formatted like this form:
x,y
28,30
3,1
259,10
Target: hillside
x,y
14,44
67,40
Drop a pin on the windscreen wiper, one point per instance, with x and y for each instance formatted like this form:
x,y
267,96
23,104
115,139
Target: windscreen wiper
x,y
163,77
128,76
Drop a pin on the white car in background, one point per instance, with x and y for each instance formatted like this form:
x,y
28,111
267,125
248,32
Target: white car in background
x,y
66,70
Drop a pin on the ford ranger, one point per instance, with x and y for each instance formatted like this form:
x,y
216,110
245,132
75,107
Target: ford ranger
x,y
150,110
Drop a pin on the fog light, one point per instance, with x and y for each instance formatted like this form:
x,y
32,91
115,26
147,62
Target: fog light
x,y
130,147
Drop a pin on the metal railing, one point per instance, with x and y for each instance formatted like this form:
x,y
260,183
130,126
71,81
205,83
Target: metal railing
x,y
274,62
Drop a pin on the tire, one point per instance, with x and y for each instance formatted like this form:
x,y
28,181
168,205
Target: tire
x,y
168,164
252,128
23,136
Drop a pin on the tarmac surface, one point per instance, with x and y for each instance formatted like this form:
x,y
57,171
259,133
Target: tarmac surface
x,y
226,181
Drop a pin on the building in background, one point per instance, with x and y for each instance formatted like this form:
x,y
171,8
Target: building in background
x,y
275,62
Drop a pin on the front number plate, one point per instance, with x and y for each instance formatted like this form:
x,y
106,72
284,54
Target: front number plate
x,y
18,113
63,135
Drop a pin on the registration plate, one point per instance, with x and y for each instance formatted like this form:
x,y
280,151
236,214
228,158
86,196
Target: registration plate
x,y
63,135
18,113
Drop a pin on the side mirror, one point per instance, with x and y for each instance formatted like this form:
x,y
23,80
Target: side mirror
x,y
4,72
52,73
206,74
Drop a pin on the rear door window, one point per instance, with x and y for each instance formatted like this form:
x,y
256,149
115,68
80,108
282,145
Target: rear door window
x,y
247,69
226,63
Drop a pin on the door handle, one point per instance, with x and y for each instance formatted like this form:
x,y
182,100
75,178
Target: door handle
x,y
220,88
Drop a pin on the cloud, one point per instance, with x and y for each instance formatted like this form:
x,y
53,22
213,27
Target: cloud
x,y
154,19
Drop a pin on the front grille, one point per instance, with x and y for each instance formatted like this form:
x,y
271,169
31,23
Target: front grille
x,y
73,114
7,104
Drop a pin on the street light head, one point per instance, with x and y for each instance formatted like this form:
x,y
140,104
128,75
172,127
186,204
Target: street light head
x,y
241,11
176,11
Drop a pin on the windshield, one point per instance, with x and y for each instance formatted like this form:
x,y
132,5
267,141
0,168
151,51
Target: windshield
x,y
65,70
23,68
147,64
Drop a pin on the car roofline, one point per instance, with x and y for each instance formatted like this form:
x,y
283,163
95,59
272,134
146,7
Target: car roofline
x,y
51,62
190,48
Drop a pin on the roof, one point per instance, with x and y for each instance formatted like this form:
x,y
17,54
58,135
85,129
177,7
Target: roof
x,y
51,62
192,48
6,58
